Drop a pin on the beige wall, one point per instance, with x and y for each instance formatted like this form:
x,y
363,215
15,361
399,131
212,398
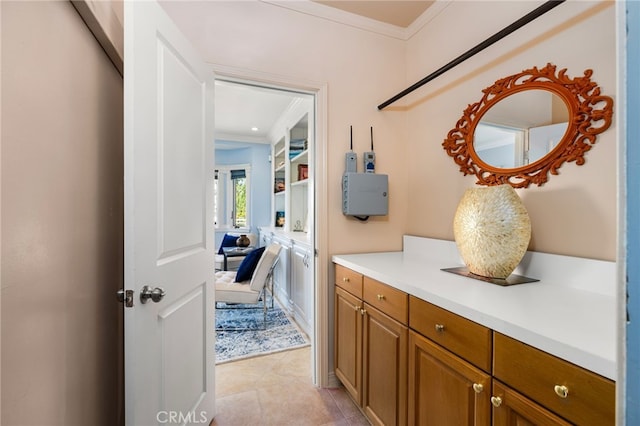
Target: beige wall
x,y
361,69
575,212
61,220
61,161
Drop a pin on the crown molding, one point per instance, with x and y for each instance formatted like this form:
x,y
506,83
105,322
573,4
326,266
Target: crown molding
x,y
427,16
367,24
340,16
233,137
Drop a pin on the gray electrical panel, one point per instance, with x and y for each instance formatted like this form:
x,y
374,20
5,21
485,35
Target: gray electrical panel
x,y
365,194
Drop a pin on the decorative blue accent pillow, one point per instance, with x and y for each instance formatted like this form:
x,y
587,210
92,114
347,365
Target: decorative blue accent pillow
x,y
248,265
228,241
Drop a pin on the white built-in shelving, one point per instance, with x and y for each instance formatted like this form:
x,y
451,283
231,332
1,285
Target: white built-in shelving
x,y
292,162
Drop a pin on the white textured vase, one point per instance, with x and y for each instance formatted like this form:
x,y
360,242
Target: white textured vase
x,y
492,230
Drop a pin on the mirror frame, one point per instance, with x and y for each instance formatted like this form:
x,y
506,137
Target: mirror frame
x,y
587,107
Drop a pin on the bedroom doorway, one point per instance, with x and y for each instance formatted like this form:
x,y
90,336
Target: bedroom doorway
x,y
272,129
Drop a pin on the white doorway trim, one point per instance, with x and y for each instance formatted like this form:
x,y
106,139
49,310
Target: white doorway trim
x,y
320,354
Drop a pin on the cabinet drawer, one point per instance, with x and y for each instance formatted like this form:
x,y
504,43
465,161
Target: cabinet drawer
x,y
465,338
389,300
512,408
349,280
590,398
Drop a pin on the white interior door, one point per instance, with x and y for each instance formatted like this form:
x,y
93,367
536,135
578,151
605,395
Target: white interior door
x,y
169,164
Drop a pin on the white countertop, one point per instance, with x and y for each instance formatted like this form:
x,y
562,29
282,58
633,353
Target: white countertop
x,y
572,318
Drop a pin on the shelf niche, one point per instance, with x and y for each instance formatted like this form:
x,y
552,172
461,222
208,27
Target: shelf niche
x,y
292,148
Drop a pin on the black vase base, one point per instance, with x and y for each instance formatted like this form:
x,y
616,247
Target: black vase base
x,y
512,279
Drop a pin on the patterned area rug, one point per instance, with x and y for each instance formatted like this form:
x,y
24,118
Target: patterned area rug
x,y
281,334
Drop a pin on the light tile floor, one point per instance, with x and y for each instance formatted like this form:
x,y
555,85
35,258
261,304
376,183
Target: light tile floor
x,y
276,390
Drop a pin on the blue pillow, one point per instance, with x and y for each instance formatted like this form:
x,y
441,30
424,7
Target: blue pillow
x,y
248,265
228,241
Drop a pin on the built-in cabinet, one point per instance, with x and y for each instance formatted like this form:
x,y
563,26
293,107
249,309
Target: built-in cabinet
x,y
302,287
534,378
348,342
371,346
292,162
293,281
446,370
281,272
450,365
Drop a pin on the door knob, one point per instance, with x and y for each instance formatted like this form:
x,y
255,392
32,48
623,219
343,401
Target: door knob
x,y
155,294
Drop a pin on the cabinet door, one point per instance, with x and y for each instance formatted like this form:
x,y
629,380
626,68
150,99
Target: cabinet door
x,y
513,409
384,369
445,390
348,342
281,275
265,238
301,287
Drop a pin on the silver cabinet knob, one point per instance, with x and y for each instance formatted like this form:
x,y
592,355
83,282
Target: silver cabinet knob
x,y
155,294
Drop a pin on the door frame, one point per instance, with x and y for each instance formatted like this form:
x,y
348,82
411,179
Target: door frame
x,y
320,345
628,388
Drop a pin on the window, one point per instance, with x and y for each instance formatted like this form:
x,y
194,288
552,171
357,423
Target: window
x,y
231,195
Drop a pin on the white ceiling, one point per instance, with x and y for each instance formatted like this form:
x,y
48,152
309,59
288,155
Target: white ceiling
x,y
239,107
400,13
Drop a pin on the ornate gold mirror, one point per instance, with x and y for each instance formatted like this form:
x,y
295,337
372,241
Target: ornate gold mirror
x,y
527,125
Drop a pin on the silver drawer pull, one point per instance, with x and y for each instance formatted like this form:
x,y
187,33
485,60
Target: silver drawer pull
x,y
439,328
561,390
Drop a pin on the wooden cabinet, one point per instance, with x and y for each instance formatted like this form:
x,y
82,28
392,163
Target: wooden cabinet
x,y
444,389
384,368
449,368
510,408
571,392
371,346
467,339
389,300
349,280
348,342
